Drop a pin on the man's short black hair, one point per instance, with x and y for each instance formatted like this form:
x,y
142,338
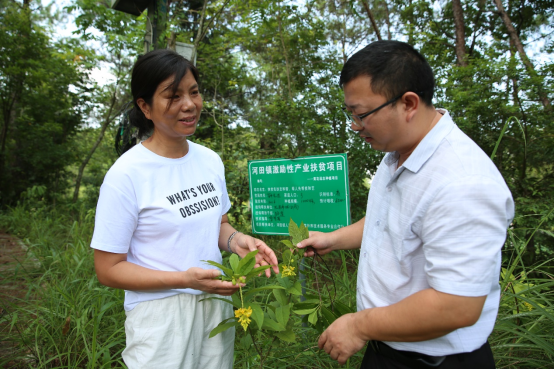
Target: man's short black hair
x,y
394,68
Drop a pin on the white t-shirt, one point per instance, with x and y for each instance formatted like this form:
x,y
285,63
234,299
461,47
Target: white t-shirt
x,y
438,221
164,213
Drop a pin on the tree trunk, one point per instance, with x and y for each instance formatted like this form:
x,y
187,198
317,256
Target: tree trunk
x,y
343,41
105,125
203,30
524,58
411,23
213,114
9,118
372,19
9,107
287,64
197,39
460,32
387,20
477,22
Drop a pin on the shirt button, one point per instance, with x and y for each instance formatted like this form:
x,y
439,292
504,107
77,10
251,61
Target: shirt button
x,y
389,188
378,223
365,254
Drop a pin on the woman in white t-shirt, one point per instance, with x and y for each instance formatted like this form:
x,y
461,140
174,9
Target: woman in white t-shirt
x,y
161,214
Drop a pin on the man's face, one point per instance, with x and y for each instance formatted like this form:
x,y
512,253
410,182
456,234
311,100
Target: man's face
x,y
382,129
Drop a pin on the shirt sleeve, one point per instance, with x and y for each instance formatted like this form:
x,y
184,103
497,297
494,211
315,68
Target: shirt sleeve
x,y
116,216
463,232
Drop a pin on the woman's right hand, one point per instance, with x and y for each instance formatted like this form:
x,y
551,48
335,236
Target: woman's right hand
x,y
206,281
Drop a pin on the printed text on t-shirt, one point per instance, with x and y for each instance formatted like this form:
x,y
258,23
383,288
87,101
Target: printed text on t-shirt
x,y
198,206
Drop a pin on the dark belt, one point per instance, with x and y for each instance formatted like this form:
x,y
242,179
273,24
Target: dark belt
x,y
410,359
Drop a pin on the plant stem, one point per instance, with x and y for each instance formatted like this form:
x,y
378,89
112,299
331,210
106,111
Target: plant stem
x,y
241,301
256,348
317,281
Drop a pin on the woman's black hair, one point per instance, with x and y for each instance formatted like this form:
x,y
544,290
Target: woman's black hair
x,y
149,71
394,68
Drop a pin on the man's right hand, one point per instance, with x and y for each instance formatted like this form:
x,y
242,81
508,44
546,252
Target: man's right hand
x,y
349,237
318,241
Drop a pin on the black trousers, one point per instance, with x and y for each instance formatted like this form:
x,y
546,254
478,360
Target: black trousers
x,y
380,356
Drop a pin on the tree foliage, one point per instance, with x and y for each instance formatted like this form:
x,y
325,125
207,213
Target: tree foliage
x,y
41,106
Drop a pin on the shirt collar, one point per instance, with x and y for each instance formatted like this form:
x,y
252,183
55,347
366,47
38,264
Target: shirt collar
x,y
427,146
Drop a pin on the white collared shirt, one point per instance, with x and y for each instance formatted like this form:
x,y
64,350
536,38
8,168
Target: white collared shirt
x,y
438,221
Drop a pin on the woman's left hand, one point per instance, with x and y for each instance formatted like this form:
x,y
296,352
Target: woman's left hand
x,y
246,244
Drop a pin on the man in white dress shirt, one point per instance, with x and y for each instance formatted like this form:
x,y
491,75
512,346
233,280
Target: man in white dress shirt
x,y
438,209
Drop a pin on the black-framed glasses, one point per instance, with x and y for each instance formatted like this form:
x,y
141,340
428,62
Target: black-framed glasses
x,y
357,119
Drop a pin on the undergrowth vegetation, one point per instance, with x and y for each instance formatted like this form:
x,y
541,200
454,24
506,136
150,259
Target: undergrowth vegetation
x,y
68,320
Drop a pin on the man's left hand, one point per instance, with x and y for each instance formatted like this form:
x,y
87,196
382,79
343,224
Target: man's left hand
x,y
342,339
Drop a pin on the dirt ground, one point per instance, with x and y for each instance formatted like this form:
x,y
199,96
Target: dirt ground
x,y
13,257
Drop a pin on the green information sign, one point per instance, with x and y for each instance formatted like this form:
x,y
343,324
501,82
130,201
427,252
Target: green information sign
x,y
313,190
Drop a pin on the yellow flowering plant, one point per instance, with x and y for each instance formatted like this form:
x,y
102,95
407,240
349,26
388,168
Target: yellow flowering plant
x,y
280,309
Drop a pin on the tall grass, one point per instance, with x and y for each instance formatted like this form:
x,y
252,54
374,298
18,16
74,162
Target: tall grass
x,y
523,336
69,320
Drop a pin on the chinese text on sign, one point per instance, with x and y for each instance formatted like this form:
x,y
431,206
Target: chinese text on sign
x,y
313,190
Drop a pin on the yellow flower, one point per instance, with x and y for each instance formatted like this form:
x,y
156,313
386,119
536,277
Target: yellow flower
x,y
288,271
529,306
243,315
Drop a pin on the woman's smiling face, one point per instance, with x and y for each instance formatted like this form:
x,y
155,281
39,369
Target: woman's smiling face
x,y
175,115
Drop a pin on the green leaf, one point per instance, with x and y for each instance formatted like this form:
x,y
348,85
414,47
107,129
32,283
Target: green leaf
x,y
236,300
305,311
281,296
234,261
257,314
247,263
328,315
341,308
288,258
296,289
271,311
304,232
288,243
218,298
293,227
312,318
286,336
295,233
306,305
222,327
257,271
283,314
270,324
285,282
251,292
226,270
